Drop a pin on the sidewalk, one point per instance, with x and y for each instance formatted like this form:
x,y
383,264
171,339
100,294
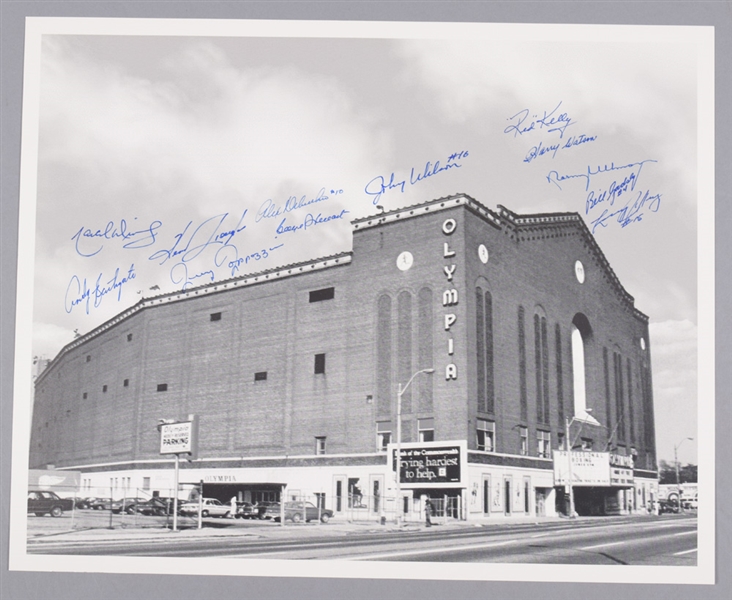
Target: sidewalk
x,y
267,530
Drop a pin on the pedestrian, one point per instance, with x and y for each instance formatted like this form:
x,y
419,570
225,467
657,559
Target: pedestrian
x,y
233,507
428,512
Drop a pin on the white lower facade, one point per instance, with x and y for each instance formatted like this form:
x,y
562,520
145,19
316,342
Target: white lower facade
x,y
362,487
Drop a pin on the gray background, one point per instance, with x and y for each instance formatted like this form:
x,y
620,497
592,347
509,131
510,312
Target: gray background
x,y
31,586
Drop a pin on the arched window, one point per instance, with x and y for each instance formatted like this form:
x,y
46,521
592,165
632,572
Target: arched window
x,y
522,364
541,359
580,336
484,338
425,351
404,347
383,357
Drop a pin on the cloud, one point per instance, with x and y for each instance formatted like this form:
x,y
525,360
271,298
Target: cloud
x,y
189,138
638,96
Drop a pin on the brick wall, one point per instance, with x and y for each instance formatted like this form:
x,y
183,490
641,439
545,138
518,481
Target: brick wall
x,y
209,365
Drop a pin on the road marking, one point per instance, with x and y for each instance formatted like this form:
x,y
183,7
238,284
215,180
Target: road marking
x,y
603,545
431,551
685,552
650,539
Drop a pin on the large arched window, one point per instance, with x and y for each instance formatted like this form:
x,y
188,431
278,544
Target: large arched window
x,y
581,334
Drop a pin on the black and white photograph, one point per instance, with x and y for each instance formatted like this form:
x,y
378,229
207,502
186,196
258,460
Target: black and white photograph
x,y
324,298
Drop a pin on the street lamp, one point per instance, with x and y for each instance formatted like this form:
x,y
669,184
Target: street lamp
x,y
399,443
676,463
584,419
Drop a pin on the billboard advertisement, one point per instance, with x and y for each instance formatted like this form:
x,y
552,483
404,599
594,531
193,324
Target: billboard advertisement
x,y
430,464
58,481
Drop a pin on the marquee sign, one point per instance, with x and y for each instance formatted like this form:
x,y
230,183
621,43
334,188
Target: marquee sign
x,y
430,464
593,469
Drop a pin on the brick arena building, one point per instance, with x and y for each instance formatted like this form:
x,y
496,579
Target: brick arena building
x,y
295,376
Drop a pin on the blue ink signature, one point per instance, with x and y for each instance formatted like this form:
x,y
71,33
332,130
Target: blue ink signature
x,y
629,214
309,221
111,231
378,185
547,122
270,210
555,178
610,194
190,243
540,150
179,275
255,256
78,293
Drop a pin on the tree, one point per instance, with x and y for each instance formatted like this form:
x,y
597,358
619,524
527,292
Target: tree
x,y
667,473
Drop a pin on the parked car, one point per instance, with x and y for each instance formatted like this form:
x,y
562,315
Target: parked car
x,y
126,505
84,502
101,504
156,506
299,511
268,510
246,510
45,503
210,507
668,506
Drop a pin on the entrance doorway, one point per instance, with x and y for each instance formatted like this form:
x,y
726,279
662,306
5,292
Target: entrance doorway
x,y
486,495
507,495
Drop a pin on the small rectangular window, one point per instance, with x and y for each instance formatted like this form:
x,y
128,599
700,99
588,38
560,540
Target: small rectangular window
x,y
320,445
84,395
544,444
523,441
126,383
261,376
88,358
426,429
383,435
216,316
324,294
486,433
162,387
145,483
129,337
320,364
104,389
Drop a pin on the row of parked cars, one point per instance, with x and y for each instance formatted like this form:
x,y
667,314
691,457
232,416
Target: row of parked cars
x,y
46,502
293,511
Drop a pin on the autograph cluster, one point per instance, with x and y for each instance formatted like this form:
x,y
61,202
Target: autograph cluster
x,y
611,195
215,242
550,122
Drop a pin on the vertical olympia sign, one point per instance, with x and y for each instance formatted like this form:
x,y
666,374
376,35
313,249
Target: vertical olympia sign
x,y
449,298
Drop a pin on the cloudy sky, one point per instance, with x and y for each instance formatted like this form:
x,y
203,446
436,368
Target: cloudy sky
x,y
168,161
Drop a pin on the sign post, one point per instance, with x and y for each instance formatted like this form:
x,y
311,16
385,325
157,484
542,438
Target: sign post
x,y
178,437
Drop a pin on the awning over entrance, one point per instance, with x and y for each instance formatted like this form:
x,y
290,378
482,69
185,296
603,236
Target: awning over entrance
x,y
243,491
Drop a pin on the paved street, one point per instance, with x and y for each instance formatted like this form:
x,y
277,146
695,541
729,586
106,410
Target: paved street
x,y
665,540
